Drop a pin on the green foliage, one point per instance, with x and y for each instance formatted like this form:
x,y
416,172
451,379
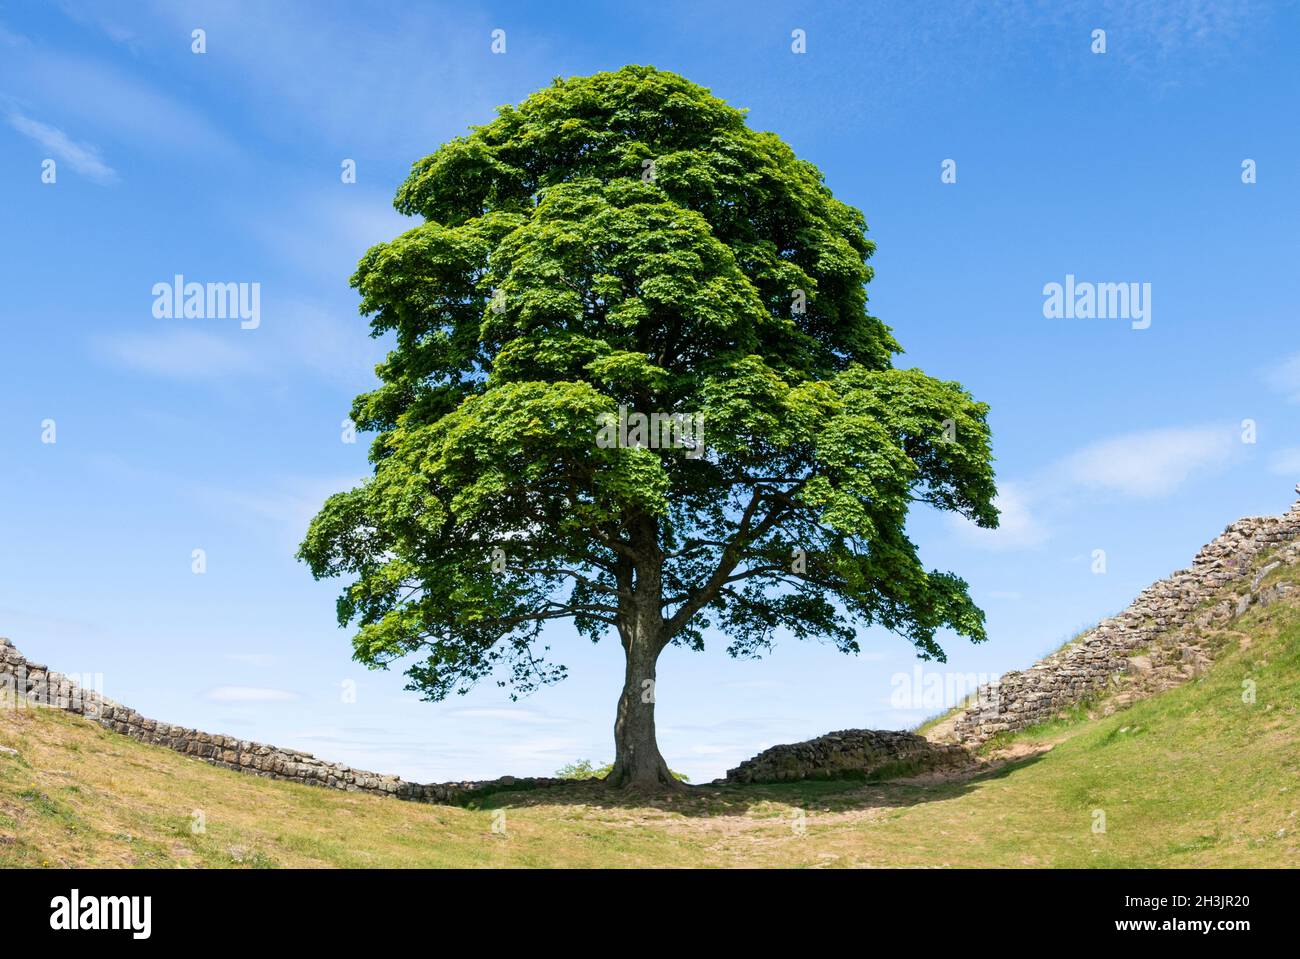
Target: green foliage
x,y
585,769
551,282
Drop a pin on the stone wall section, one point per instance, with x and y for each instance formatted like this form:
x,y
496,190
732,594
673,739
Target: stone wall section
x,y
26,684
1221,584
850,752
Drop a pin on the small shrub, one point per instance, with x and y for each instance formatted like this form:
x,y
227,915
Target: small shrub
x,y
586,769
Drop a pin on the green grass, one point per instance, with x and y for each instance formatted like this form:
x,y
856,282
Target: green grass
x,y
1192,777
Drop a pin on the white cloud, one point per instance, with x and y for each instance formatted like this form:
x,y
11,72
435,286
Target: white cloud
x,y
282,507
325,232
1138,465
1284,377
1286,462
249,694
180,353
82,157
273,55
1018,526
11,39
259,660
334,344
705,749
100,19
106,99
527,717
555,750
1148,463
296,336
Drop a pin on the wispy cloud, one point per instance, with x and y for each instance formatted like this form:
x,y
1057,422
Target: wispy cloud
x,y
324,232
260,660
1148,463
10,39
334,344
295,337
1018,527
273,53
1141,465
707,749
249,694
761,684
1286,462
555,750
111,101
282,508
1284,377
180,353
82,157
102,18
527,717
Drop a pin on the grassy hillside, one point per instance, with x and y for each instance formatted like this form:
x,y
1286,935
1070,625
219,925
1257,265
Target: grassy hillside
x,y
1192,777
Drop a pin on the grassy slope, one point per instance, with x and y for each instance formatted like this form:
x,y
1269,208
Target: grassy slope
x,y
1193,777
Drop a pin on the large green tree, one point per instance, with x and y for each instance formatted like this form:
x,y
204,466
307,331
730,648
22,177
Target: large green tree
x,y
625,241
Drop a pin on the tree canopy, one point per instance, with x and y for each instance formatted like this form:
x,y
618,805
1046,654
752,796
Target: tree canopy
x,y
625,242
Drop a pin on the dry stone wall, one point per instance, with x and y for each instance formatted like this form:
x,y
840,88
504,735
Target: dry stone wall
x,y
1222,582
850,752
25,683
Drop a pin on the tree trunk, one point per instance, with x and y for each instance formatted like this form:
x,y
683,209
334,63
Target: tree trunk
x,y
637,762
642,631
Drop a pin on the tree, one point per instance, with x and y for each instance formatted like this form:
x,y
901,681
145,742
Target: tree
x,y
619,245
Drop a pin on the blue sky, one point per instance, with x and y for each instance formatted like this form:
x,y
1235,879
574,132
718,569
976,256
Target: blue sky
x,y
174,435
